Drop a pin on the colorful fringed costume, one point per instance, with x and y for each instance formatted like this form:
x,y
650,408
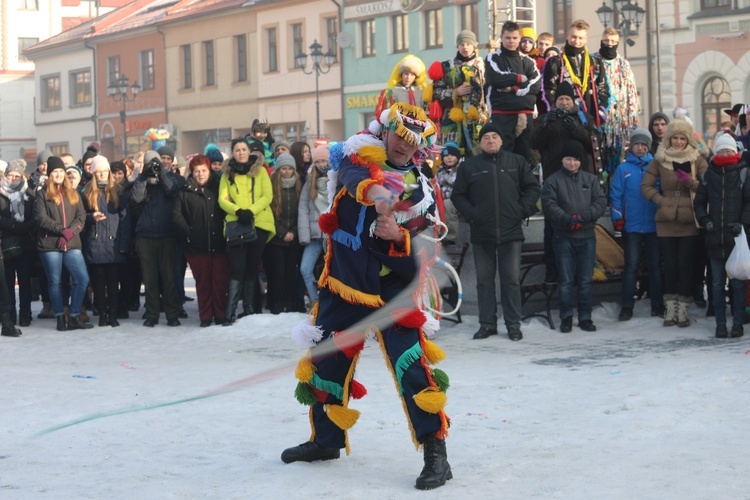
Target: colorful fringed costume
x,y
395,90
363,272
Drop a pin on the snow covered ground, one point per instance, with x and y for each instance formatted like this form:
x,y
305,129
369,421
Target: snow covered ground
x,y
631,411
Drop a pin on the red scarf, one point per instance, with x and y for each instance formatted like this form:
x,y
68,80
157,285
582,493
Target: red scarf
x,y
725,161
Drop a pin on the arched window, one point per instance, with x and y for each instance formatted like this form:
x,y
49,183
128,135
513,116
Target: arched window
x,y
717,96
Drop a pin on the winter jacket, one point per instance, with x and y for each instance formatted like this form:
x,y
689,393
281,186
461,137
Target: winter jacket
x,y
286,219
154,204
310,210
495,193
555,72
566,193
674,213
52,219
198,217
721,200
237,191
549,136
627,201
107,241
506,93
16,233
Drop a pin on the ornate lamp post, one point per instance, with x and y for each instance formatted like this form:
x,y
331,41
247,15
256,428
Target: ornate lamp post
x,y
631,18
119,92
317,56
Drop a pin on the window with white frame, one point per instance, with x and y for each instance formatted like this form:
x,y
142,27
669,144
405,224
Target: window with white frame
x,y
113,70
332,31
50,92
187,66
209,64
272,50
298,43
240,42
148,70
80,87
400,30
367,30
433,28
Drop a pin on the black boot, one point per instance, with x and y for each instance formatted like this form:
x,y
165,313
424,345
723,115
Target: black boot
x,y
103,317
9,327
436,469
309,452
24,317
76,323
248,296
233,298
61,324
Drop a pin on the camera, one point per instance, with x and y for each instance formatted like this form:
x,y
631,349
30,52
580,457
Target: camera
x,y
560,113
152,168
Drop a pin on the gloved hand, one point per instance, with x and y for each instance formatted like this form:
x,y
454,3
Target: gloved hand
x,y
618,226
244,216
569,123
709,227
68,235
61,242
575,221
736,228
152,168
550,117
683,177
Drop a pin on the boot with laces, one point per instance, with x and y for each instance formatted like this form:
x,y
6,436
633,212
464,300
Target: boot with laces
x,y
436,469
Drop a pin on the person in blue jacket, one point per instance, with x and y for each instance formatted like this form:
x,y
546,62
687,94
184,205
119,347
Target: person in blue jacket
x,y
633,217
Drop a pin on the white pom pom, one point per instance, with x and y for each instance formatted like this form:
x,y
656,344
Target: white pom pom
x,y
305,334
431,325
374,127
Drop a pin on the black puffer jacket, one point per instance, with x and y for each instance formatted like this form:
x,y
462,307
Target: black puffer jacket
x,y
566,193
496,192
198,217
52,219
153,202
548,139
720,199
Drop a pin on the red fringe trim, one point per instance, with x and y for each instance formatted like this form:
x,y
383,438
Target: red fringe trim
x,y
357,390
408,318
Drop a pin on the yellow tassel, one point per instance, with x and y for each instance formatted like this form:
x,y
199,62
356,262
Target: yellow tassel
x,y
432,352
372,154
456,115
305,370
344,418
473,114
353,296
431,400
427,94
599,275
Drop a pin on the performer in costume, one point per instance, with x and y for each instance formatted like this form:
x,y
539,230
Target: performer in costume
x,y
406,84
457,96
380,202
621,114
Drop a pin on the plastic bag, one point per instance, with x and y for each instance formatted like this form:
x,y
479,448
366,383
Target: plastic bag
x,y
738,263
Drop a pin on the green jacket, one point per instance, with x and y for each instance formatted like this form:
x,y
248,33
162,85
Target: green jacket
x,y
236,194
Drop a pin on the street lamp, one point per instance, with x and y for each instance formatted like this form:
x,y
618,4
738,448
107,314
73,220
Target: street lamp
x,y
631,18
118,91
317,56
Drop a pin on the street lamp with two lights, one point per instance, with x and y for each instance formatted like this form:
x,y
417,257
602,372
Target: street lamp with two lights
x,y
118,91
317,57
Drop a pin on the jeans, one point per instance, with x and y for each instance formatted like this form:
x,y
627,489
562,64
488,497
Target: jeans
x,y
575,264
489,258
739,291
678,264
309,257
639,245
53,263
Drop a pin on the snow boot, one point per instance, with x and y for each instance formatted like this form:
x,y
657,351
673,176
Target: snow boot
x,y
683,318
77,323
103,317
248,297
24,317
436,469
310,451
62,325
670,313
47,312
8,326
233,298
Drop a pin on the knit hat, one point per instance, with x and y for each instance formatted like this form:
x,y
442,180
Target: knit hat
x,y
166,151
725,141
412,64
528,32
118,165
260,125
74,168
679,126
285,160
18,166
490,127
99,163
213,154
43,156
452,149
642,136
53,163
565,88
320,154
573,149
257,146
282,143
467,36
150,155
550,50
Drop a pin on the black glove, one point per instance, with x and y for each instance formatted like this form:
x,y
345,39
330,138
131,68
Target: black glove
x,y
736,228
152,168
709,227
244,216
549,117
569,123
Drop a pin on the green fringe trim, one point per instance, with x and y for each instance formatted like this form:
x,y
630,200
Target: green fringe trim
x,y
441,379
305,394
328,386
405,361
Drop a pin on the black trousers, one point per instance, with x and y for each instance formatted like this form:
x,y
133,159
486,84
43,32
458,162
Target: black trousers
x,y
677,259
19,268
282,269
104,279
5,304
157,256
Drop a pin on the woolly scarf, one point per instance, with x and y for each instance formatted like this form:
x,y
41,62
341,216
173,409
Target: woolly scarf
x,y
16,193
586,65
288,183
666,156
463,59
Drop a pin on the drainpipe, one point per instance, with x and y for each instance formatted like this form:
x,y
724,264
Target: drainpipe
x,y
341,68
94,80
